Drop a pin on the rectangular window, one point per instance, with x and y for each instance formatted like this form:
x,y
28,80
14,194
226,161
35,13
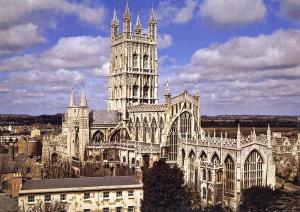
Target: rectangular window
x,y
63,197
47,198
86,196
106,195
130,193
86,210
130,208
119,194
118,209
31,199
105,209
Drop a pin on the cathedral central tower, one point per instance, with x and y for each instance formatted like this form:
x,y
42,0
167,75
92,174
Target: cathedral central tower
x,y
133,72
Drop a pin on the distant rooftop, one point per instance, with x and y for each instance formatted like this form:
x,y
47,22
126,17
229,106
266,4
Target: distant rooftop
x,y
80,182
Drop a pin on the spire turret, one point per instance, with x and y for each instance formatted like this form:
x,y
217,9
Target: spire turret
x,y
167,93
127,22
138,25
114,25
152,31
72,102
83,101
238,137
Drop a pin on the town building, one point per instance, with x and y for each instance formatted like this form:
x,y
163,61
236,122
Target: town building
x,y
137,129
89,194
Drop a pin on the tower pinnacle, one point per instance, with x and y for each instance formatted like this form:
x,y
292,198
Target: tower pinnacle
x,y
83,102
138,25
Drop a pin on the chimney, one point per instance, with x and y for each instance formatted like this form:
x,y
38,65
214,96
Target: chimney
x,y
16,184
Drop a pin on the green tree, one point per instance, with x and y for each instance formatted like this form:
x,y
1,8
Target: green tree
x,y
164,189
258,198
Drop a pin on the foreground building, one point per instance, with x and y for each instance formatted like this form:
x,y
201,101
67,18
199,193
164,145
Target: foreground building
x,y
83,194
137,130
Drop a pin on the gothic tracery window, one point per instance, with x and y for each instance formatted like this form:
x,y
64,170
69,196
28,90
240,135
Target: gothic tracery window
x,y
185,125
172,141
253,170
98,137
204,193
229,176
135,90
192,158
204,174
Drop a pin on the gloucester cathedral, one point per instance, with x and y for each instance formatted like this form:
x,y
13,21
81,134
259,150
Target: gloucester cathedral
x,y
138,129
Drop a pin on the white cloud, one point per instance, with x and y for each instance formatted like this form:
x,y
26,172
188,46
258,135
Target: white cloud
x,y
290,9
19,37
170,11
69,53
164,41
233,11
250,74
13,10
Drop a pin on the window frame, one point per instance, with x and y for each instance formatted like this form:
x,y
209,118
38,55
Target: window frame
x,y
105,197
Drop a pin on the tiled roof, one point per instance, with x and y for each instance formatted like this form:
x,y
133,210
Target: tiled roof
x,y
105,116
80,182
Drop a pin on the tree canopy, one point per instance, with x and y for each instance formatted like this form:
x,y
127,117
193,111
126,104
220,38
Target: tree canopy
x,y
164,189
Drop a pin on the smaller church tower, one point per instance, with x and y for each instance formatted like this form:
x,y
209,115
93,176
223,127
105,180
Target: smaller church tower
x,y
83,120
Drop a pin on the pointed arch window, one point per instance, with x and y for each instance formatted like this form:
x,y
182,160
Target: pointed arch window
x,y
215,160
146,61
153,130
229,177
204,174
185,125
135,60
145,129
172,141
203,157
253,171
116,137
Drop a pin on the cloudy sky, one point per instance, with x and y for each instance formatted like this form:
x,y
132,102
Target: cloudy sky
x,y
244,54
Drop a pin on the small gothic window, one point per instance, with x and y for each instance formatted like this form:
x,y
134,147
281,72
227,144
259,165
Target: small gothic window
x,y
146,88
204,193
209,175
137,126
135,90
105,154
204,174
145,129
192,158
153,130
145,61
135,60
